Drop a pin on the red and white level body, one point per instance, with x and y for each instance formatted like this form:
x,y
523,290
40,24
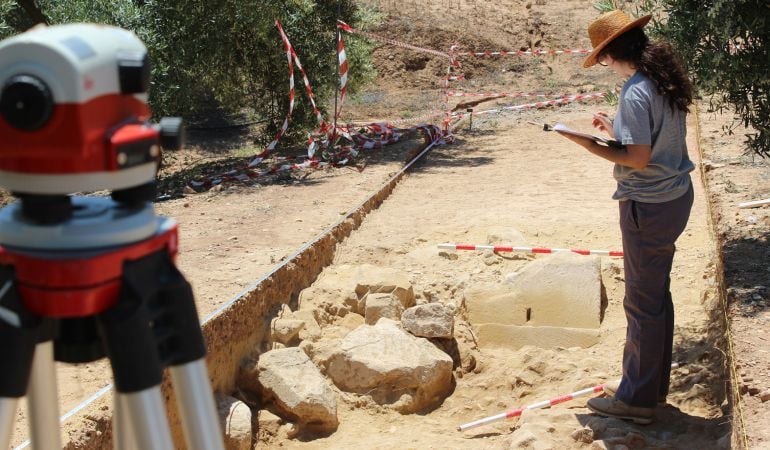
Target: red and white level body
x,y
534,250
91,101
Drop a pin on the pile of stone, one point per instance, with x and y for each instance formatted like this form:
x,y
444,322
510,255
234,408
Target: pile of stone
x,y
359,331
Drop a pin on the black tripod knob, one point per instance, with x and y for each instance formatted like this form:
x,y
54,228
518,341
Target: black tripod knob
x,y
26,102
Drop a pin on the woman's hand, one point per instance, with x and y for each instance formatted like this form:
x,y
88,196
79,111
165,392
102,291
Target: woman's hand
x,y
601,121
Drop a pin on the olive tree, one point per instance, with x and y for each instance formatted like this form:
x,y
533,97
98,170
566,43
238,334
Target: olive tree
x,y
220,55
727,46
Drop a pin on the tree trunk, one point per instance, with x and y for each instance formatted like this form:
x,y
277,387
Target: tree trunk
x,y
33,11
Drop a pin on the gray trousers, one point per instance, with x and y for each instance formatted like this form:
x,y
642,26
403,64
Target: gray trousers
x,y
649,231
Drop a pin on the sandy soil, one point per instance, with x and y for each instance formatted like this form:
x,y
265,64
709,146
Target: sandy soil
x,y
502,173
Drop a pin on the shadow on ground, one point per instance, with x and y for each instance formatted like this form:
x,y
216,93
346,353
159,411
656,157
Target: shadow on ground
x,y
216,154
746,272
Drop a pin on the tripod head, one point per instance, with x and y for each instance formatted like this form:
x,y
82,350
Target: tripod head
x,y
74,117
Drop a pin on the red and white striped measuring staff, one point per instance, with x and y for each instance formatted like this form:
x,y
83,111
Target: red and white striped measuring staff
x,y
527,53
510,248
544,404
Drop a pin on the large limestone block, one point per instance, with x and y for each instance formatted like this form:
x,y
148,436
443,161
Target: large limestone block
x,y
299,391
560,290
495,335
392,366
431,320
350,284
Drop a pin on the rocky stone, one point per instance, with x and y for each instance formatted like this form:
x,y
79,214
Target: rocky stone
x,y
286,331
299,391
320,351
268,425
526,438
235,418
431,320
502,235
311,329
584,435
351,321
351,284
382,305
764,395
392,366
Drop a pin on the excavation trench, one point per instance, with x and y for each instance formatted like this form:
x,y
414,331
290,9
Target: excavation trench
x,y
487,188
241,327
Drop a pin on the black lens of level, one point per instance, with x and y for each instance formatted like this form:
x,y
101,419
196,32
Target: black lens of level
x,y
26,102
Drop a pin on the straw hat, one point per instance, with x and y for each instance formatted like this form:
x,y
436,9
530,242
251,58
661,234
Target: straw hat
x,y
606,28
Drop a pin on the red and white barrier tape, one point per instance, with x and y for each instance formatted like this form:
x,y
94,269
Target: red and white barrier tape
x,y
500,94
285,126
323,127
544,404
343,26
558,101
341,157
450,68
526,53
418,119
343,71
533,250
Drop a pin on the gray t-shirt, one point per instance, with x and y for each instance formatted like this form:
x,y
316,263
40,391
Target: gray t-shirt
x,y
645,117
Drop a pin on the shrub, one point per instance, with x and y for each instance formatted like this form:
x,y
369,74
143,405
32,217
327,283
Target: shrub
x,y
224,56
726,44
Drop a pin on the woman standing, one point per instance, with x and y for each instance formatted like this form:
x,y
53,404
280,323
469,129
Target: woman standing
x,y
655,194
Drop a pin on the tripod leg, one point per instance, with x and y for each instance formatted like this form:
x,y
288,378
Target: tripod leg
x,y
196,406
122,434
146,414
7,415
19,333
43,398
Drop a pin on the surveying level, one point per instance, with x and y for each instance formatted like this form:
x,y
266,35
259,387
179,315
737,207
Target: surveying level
x,y
83,277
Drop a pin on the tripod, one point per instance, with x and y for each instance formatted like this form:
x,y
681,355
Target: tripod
x,y
86,277
99,280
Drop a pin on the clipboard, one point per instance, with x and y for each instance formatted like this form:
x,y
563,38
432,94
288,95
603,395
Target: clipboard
x,y
560,127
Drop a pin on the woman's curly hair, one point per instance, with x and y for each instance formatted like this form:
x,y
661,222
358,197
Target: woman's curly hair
x,y
656,60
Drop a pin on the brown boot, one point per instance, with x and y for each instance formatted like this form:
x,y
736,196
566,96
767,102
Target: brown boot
x,y
612,407
612,387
